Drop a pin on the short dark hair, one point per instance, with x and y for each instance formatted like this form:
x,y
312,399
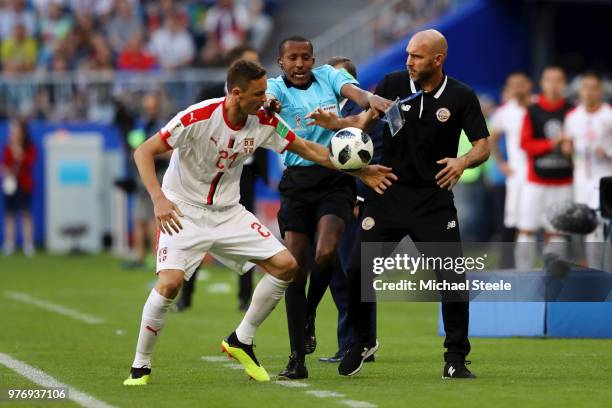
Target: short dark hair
x,y
294,38
592,74
346,64
241,72
518,73
553,67
238,51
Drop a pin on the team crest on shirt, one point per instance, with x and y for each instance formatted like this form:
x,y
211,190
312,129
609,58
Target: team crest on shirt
x,y
249,145
368,223
298,122
162,254
443,114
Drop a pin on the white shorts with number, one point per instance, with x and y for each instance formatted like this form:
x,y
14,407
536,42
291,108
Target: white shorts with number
x,y
233,236
536,199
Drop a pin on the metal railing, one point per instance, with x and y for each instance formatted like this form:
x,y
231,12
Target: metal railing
x,y
79,96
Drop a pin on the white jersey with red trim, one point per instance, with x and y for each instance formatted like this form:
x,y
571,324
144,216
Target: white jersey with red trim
x,y
590,131
209,153
508,119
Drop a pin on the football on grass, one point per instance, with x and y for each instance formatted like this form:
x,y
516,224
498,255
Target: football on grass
x,y
350,149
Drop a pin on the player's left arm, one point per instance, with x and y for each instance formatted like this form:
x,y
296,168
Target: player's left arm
x,y
475,126
375,176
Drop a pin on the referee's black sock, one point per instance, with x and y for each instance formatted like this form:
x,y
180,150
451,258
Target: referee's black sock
x,y
319,282
295,302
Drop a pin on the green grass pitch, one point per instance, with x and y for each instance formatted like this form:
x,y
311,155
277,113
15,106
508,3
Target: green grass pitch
x,y
95,358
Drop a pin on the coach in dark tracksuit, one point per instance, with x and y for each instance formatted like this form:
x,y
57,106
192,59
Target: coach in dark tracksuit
x,y
420,204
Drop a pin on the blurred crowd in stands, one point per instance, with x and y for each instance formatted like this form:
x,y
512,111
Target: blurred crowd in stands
x,y
405,17
98,35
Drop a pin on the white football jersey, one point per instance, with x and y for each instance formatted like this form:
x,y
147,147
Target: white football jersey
x,y
508,119
209,153
589,131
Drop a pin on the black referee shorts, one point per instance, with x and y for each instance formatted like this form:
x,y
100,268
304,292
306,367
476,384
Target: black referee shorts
x,y
310,192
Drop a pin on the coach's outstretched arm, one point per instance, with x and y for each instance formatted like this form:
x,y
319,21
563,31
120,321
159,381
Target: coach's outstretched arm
x,y
166,212
375,176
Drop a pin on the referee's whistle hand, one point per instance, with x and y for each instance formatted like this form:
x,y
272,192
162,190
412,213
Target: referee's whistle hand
x,y
450,174
377,177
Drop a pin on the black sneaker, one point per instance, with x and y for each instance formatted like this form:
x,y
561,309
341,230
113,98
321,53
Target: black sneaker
x,y
370,359
295,370
456,370
336,358
353,359
310,339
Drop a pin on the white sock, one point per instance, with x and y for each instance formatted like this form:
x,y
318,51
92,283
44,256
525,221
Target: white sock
x,y
525,252
154,316
266,296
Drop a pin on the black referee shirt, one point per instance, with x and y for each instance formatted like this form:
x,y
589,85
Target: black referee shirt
x,y
433,126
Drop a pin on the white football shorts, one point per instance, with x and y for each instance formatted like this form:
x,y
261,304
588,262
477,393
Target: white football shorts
x,y
234,236
536,200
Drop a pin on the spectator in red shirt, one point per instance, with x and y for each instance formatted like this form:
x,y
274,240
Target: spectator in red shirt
x,y
134,56
17,185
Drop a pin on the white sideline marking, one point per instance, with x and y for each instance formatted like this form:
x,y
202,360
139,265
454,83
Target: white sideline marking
x,y
53,307
39,377
292,384
325,394
298,384
215,359
357,404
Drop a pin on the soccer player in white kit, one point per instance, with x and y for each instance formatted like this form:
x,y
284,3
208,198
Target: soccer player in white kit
x,y
589,127
508,121
549,170
197,207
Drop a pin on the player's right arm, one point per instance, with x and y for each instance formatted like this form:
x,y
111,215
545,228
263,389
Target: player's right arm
x,y
375,176
166,212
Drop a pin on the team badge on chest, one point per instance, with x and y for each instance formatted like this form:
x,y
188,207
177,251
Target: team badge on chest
x,y
443,114
249,145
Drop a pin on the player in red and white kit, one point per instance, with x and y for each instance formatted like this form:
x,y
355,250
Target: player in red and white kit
x,y
549,172
589,127
197,207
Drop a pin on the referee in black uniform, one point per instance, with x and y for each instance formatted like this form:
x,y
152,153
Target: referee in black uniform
x,y
420,203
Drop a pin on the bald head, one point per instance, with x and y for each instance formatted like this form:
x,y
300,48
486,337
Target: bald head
x,y
426,51
433,40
